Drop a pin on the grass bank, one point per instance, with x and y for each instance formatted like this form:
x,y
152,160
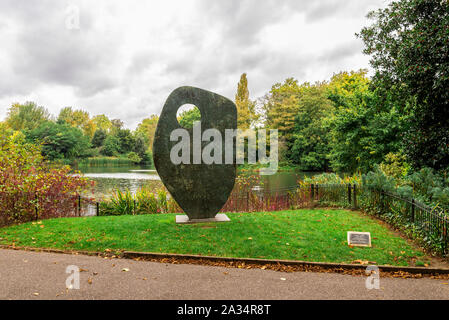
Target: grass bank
x,y
308,235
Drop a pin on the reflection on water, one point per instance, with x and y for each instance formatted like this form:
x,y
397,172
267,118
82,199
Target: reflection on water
x,y
134,177
123,175
108,179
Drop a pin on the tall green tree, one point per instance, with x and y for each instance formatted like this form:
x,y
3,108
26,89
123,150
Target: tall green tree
x,y
126,140
246,109
111,146
409,49
311,145
281,106
363,129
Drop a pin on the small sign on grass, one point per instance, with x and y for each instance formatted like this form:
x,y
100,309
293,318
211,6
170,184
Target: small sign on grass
x,y
359,239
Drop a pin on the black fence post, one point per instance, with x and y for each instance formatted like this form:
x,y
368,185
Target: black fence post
x,y
79,206
445,235
317,193
382,201
312,193
355,196
413,210
36,210
98,209
134,208
349,193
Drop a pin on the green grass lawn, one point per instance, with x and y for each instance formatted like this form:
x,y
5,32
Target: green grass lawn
x,y
310,235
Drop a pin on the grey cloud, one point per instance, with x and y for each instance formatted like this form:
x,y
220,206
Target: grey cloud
x,y
210,49
242,20
47,52
343,51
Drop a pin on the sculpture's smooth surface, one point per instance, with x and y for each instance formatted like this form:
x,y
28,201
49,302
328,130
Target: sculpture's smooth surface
x,y
201,190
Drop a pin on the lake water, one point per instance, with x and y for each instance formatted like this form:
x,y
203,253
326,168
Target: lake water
x,y
134,177
109,178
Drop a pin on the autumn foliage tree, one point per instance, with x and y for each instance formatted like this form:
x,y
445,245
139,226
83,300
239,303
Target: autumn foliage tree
x,y
147,128
26,116
30,188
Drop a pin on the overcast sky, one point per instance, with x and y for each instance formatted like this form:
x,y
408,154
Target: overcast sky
x,y
124,58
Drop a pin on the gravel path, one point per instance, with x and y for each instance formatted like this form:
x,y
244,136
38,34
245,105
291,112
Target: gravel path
x,y
35,275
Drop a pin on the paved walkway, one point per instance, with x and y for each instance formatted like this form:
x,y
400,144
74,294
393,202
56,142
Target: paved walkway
x,y
34,275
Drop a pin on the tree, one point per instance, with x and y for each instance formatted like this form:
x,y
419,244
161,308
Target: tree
x,y
102,122
147,128
281,106
409,53
117,124
126,140
25,177
311,146
363,128
59,140
188,117
246,109
26,116
140,145
111,146
79,119
98,138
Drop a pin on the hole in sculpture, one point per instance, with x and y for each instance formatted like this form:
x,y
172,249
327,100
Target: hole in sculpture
x,y
187,114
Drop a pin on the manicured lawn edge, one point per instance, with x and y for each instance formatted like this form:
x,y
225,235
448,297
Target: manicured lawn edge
x,y
251,263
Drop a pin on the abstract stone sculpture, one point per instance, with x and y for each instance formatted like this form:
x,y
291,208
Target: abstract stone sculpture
x,y
201,190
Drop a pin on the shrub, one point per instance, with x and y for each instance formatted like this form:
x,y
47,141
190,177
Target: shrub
x,y
30,187
122,202
332,178
134,157
395,165
147,203
144,201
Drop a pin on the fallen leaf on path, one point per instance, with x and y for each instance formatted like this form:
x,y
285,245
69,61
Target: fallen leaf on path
x,y
125,269
363,262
